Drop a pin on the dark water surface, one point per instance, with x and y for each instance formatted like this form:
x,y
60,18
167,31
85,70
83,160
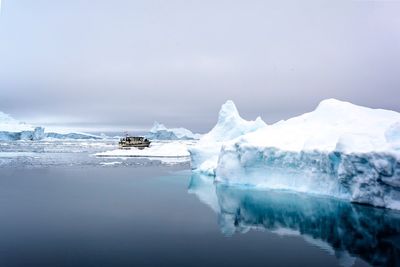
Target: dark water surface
x,y
161,216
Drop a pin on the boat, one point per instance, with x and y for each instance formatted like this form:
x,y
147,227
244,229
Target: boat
x,y
134,141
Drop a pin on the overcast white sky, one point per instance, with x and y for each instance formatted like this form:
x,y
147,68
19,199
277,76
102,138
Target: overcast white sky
x,y
126,63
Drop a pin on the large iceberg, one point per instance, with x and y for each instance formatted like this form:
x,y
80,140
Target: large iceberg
x,y
339,149
204,155
13,130
160,132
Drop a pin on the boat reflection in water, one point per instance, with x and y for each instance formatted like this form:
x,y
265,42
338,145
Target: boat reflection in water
x,y
345,230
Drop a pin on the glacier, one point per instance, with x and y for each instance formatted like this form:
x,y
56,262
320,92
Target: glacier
x,y
338,227
339,149
13,130
160,132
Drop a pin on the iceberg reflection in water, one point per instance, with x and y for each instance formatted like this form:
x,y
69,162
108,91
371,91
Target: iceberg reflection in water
x,y
346,230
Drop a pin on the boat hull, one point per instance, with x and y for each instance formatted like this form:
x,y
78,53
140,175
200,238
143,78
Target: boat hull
x,y
140,146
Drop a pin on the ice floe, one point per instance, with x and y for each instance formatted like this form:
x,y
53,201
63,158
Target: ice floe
x,y
177,149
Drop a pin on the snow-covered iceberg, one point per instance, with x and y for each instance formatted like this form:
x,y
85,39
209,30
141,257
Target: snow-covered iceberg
x,y
338,227
204,155
160,132
339,149
12,130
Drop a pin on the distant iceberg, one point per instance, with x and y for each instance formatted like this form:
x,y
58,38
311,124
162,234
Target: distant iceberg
x,y
160,132
13,130
339,149
73,136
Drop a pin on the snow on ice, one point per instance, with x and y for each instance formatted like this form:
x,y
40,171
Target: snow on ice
x,y
175,149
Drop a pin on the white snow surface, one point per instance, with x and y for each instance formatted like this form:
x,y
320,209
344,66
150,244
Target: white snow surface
x,y
339,149
174,149
333,126
160,132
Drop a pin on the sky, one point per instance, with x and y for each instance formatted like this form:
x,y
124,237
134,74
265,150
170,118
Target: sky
x,y
123,64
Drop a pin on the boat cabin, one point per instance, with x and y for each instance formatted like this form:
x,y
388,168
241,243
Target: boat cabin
x,y
134,141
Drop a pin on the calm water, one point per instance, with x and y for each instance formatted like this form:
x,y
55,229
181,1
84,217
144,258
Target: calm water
x,y
141,214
